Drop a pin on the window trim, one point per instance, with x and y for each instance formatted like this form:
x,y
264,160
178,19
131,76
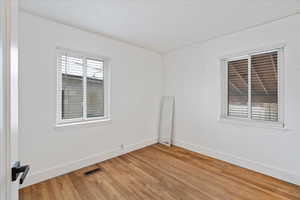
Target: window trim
x,y
280,48
107,87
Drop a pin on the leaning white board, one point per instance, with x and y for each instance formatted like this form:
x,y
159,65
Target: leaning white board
x,y
166,120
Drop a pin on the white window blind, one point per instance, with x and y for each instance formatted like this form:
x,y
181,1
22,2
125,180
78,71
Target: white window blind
x,y
81,88
264,86
72,87
253,90
95,88
238,88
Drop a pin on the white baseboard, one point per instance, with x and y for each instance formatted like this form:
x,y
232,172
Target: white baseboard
x,y
249,164
75,165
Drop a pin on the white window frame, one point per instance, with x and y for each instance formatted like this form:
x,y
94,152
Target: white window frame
x,y
224,87
107,85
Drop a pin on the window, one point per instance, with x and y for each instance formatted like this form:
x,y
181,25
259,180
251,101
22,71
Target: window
x,y
252,87
82,92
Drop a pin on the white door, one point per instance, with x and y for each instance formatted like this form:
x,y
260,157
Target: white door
x,y
10,171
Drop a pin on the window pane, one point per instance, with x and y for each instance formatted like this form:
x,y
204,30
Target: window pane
x,y
95,88
264,87
238,88
72,87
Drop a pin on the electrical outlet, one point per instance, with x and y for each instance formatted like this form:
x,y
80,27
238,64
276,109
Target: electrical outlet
x,y
122,146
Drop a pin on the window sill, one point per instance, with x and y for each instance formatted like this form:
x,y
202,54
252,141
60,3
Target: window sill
x,y
83,122
252,123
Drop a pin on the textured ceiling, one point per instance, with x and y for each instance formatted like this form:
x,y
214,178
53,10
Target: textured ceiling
x,y
162,25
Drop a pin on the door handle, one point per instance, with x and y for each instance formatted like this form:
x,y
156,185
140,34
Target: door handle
x,y
17,169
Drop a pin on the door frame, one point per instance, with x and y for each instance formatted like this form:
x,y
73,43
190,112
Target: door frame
x,y
8,96
3,102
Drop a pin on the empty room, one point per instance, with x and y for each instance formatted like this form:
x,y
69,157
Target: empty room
x,y
150,100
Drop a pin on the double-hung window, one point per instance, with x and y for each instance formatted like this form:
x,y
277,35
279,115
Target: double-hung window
x,y
82,89
252,87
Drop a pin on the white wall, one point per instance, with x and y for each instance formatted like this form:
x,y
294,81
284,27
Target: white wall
x,y
193,77
135,98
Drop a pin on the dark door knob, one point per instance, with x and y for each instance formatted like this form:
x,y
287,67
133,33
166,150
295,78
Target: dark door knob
x,y
17,170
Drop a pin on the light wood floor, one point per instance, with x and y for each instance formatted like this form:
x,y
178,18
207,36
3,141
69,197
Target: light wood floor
x,y
159,172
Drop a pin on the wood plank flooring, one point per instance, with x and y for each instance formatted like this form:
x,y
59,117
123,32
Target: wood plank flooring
x,y
159,172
